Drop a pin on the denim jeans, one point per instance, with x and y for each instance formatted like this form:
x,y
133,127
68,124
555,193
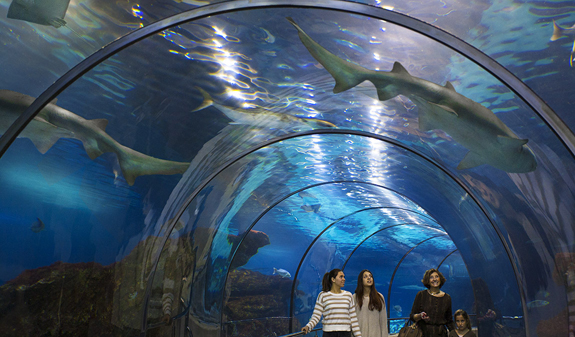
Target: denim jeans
x,y
337,334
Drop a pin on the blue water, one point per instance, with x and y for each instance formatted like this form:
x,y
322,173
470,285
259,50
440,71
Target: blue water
x,y
375,191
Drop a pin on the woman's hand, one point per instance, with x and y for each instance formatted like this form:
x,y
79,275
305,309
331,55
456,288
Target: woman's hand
x,y
305,330
424,316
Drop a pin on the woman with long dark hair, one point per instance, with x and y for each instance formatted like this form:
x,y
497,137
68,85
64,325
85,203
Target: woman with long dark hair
x,y
432,307
370,307
337,307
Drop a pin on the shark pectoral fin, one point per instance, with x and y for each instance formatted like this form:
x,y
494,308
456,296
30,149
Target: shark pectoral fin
x,y
471,160
44,144
44,134
206,102
449,86
385,93
511,142
445,108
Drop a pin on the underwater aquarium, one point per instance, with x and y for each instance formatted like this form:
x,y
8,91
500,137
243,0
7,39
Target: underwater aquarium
x,y
193,168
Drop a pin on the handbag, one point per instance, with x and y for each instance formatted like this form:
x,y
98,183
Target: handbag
x,y
410,330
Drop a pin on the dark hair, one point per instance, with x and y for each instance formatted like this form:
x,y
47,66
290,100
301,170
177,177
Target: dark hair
x,y
427,276
461,312
375,301
326,282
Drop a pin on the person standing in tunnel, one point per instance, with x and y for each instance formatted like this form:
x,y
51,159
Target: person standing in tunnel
x,y
370,307
337,307
432,307
462,325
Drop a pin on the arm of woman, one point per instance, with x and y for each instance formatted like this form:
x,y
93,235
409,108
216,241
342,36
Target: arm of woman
x,y
353,318
383,318
317,312
417,308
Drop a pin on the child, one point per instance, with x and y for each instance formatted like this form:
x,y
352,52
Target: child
x,y
462,325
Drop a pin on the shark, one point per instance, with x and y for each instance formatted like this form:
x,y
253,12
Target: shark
x,y
43,12
54,122
559,32
263,118
487,139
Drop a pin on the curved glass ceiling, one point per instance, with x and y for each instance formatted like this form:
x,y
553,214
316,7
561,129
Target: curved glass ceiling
x,y
267,146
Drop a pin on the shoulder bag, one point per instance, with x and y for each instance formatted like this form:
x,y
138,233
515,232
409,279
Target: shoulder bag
x,y
410,330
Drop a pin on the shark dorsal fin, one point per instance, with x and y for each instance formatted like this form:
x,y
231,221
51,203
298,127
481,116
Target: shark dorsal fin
x,y
54,101
399,69
511,142
449,86
445,108
471,160
99,123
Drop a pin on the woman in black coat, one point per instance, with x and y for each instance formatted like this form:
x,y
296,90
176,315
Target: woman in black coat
x,y
432,307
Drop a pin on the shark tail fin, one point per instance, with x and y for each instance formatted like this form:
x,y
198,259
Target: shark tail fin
x,y
206,102
557,31
135,164
346,74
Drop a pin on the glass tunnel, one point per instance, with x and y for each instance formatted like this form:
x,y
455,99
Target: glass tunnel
x,y
193,168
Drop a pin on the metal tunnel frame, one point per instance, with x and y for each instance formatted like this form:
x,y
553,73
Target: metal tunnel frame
x,y
315,132
271,206
434,33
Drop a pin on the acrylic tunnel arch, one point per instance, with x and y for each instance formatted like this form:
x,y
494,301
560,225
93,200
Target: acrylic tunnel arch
x,y
234,6
309,134
506,77
299,193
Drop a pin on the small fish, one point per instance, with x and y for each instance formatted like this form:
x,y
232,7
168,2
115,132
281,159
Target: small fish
x,y
537,304
38,226
559,32
269,37
311,208
412,287
397,309
282,273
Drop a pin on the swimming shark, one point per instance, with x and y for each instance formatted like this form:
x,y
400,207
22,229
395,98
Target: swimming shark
x,y
559,32
54,122
263,118
43,12
469,123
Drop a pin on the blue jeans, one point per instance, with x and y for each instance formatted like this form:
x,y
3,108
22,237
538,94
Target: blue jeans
x,y
337,334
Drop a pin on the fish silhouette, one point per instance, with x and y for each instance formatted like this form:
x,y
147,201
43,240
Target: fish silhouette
x,y
54,122
469,123
559,32
282,273
38,226
43,12
263,118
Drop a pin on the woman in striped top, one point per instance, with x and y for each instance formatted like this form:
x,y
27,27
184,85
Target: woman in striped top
x,y
337,307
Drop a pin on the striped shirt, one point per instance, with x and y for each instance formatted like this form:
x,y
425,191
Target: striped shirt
x,y
338,312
